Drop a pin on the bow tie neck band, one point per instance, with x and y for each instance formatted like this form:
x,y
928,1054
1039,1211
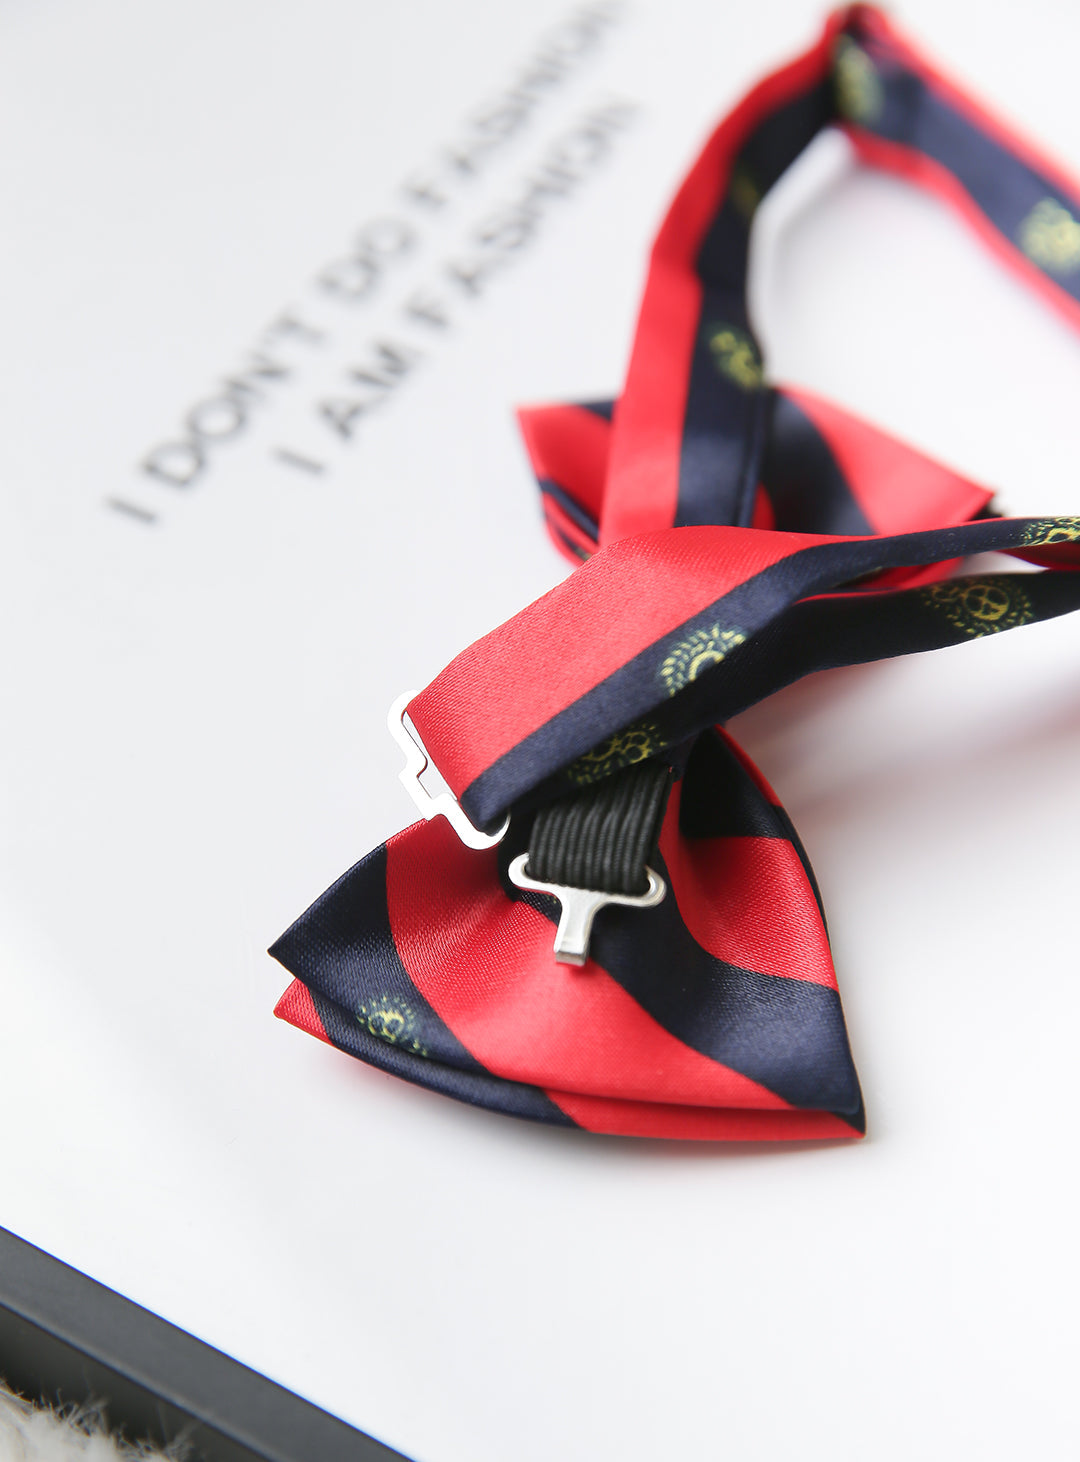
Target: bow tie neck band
x,y
616,927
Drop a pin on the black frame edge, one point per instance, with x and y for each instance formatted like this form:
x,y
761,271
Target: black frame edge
x,y
65,1337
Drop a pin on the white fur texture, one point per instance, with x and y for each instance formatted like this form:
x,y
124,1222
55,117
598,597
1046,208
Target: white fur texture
x,y
37,1434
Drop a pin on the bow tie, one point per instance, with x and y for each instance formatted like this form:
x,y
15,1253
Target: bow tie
x,y
615,926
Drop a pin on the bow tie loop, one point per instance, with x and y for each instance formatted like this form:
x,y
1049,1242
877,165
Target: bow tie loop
x,y
658,637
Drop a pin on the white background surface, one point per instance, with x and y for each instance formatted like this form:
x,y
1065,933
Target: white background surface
x,y
193,747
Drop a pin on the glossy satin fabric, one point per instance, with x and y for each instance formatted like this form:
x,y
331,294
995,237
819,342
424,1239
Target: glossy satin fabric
x,y
729,536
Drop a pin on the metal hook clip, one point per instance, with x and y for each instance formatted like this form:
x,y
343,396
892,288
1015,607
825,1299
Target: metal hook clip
x,y
580,907
445,804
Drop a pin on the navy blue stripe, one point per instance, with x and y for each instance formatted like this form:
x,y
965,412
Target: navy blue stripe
x,y
808,868
1004,188
343,950
786,1034
824,634
568,543
779,138
808,491
724,424
603,409
720,799
635,690
478,1088
722,436
723,427
573,509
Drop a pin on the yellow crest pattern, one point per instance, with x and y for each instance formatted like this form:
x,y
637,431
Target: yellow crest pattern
x,y
735,355
1052,530
1050,237
392,1019
743,191
982,606
859,94
632,744
698,652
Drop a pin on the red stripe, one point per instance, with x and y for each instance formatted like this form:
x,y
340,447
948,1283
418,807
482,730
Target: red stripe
x,y
647,442
752,771
298,1008
569,446
631,594
748,901
697,1124
485,964
1059,556
764,516
898,489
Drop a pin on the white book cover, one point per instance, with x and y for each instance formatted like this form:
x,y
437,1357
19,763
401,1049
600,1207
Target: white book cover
x,y
275,277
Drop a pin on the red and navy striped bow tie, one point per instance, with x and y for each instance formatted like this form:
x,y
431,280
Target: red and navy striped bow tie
x,y
616,927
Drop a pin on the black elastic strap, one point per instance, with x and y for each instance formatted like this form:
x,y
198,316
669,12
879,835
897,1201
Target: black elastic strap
x,y
603,837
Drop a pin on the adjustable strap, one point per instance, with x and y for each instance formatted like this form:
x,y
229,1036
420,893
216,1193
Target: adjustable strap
x,y
592,850
603,838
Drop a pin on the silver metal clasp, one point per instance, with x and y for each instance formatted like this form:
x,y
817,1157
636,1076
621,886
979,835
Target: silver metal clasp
x,y
580,907
443,804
